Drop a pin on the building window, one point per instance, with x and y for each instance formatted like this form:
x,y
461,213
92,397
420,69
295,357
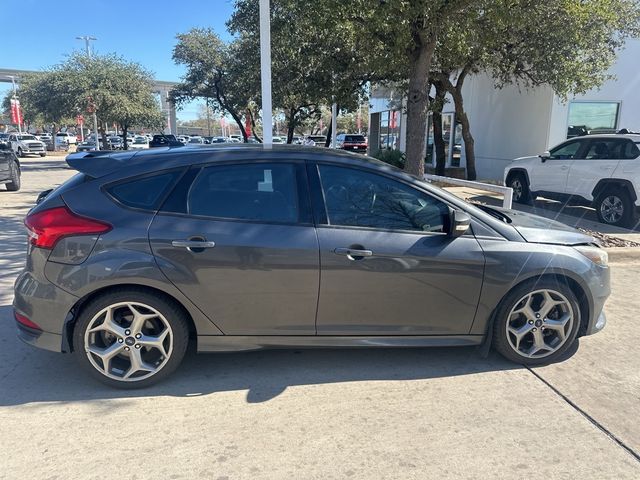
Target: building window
x,y
592,117
390,129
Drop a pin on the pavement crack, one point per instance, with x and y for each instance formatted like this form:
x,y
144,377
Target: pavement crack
x,y
597,424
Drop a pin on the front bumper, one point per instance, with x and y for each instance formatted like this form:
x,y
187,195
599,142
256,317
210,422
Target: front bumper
x,y
599,285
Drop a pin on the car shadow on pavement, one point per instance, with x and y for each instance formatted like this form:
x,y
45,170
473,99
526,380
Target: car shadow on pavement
x,y
29,375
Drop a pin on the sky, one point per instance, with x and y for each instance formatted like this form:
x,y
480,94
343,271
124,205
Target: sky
x,y
140,30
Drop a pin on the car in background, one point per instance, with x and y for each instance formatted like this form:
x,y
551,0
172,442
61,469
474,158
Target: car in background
x,y
319,140
352,142
9,168
116,142
278,140
602,171
196,141
142,254
139,143
184,139
86,146
217,140
44,137
297,140
70,138
4,139
163,140
24,144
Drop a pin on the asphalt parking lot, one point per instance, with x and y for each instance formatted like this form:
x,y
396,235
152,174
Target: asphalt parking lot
x,y
423,413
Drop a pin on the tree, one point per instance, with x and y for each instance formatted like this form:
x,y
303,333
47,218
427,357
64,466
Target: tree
x,y
120,91
313,59
216,71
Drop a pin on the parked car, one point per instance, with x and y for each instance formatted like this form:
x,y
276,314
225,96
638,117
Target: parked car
x,y
165,141
352,142
87,146
4,139
196,141
139,143
217,140
319,140
24,144
602,171
44,137
116,142
9,168
242,247
184,139
70,138
276,139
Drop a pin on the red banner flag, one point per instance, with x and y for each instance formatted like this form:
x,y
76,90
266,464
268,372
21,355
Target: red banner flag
x,y
16,114
247,124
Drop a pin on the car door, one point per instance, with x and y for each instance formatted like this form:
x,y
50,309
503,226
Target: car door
x,y
600,159
550,174
238,240
387,267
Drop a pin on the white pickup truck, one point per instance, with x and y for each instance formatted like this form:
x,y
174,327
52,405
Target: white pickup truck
x,y
24,144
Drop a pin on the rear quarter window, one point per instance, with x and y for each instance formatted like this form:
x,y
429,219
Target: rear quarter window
x,y
143,192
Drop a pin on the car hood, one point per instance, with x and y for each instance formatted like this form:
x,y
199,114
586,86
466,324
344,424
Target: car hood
x,y
537,229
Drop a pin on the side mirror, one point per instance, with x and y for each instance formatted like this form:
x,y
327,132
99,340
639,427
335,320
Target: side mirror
x,y
544,156
459,223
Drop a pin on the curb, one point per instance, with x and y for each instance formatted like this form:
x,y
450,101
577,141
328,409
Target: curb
x,y
624,255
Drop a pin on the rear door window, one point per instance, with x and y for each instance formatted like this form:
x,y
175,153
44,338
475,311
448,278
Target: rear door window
x,y
260,192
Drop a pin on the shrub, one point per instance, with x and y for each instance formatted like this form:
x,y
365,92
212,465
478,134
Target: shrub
x,y
392,157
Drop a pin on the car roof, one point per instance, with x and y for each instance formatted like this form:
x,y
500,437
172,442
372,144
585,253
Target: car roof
x,y
608,136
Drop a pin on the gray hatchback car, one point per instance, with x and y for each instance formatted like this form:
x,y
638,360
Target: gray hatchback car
x,y
239,247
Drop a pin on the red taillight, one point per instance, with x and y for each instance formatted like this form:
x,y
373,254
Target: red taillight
x,y
25,321
48,226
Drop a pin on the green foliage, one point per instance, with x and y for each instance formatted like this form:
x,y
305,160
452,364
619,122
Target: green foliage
x,y
121,92
392,157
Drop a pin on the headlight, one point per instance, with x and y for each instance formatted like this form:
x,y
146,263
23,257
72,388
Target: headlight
x,y
597,255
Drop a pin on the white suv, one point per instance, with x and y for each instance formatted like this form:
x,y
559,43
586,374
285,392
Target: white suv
x,y
600,170
67,137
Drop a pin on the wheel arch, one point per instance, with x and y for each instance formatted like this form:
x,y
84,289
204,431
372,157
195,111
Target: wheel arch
x,y
70,321
621,183
584,302
518,170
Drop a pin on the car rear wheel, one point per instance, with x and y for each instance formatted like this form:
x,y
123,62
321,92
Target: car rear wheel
x,y
14,177
537,322
520,187
130,338
615,207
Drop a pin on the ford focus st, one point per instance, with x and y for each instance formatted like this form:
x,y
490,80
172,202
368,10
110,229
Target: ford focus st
x,y
240,247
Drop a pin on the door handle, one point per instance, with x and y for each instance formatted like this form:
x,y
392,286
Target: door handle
x,y
564,167
193,244
353,253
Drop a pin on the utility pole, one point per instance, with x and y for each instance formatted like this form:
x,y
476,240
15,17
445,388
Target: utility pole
x,y
87,39
208,118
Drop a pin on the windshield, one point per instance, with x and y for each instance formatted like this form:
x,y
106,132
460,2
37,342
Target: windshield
x,y
140,140
26,137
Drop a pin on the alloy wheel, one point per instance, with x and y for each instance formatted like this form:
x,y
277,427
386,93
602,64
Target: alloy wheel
x,y
611,209
516,186
540,323
128,341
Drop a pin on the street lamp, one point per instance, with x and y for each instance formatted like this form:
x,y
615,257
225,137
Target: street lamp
x,y
87,39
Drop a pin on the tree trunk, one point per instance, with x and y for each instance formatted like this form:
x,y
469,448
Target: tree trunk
x,y
461,116
418,106
125,129
291,124
103,134
327,142
438,140
253,126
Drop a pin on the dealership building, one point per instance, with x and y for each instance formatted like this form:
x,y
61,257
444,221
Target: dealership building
x,y
513,121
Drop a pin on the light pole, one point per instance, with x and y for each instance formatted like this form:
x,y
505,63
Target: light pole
x,y
265,72
87,39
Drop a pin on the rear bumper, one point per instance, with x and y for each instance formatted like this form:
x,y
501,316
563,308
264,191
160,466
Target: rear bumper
x,y
40,339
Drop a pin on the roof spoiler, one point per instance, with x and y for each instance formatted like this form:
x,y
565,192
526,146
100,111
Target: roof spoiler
x,y
97,163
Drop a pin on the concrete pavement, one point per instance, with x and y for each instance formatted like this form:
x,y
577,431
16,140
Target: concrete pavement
x,y
366,414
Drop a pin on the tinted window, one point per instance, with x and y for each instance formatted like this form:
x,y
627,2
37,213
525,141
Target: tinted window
x,y
258,192
630,150
143,192
605,150
566,151
361,199
354,138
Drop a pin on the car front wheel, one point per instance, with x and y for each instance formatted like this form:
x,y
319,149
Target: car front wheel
x,y
14,177
537,322
520,187
130,338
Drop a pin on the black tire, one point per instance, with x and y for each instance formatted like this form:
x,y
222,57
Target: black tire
x,y
43,154
501,341
607,206
20,153
173,314
14,175
518,183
